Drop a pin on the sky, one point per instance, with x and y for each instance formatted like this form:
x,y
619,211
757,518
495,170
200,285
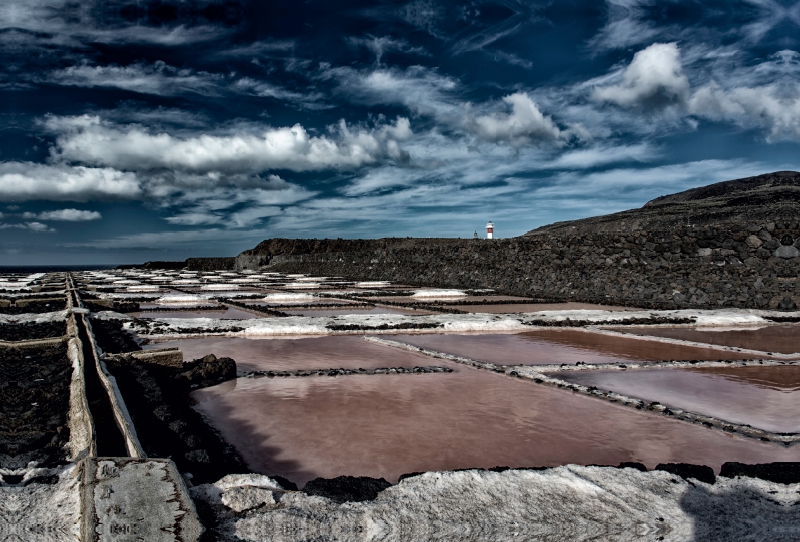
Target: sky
x,y
158,130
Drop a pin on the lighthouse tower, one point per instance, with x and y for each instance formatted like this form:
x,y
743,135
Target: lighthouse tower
x,y
489,230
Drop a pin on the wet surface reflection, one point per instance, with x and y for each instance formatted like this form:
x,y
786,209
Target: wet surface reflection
x,y
387,425
784,339
346,352
556,346
340,312
763,397
222,314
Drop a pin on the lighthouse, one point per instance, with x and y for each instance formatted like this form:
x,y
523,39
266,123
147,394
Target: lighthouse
x,y
489,230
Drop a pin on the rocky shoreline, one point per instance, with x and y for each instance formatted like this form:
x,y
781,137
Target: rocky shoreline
x,y
748,266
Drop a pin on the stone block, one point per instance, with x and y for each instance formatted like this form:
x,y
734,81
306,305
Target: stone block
x,y
129,500
786,252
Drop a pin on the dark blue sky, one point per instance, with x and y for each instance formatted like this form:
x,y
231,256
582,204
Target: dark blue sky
x,y
137,130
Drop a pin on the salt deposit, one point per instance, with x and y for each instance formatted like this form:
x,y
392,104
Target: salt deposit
x,y
280,297
565,504
438,293
220,287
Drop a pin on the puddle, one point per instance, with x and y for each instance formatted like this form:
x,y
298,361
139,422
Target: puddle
x,y
534,307
447,300
229,314
555,346
387,425
295,302
784,338
763,397
340,312
345,352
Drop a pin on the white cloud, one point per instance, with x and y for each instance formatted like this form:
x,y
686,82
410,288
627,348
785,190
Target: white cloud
x,y
422,90
36,227
65,215
601,155
654,79
21,181
384,44
158,78
195,219
524,125
89,140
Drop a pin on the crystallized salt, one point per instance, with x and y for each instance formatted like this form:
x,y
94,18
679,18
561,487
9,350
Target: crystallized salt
x,y
220,287
438,293
284,297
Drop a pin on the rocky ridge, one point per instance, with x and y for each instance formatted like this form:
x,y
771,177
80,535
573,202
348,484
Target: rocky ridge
x,y
743,252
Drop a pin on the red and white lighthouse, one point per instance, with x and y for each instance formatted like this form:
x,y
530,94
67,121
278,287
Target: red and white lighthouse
x,y
489,230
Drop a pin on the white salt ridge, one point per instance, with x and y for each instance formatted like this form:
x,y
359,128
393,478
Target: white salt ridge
x,y
455,323
438,293
372,284
186,281
569,503
302,285
279,297
143,288
29,318
220,287
181,298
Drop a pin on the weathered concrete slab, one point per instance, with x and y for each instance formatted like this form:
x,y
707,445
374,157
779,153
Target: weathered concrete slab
x,y
42,512
568,503
128,499
168,357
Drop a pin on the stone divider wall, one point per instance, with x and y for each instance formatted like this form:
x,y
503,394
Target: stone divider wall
x,y
746,266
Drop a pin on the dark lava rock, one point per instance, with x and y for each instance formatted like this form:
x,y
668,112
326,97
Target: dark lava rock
x,y
111,338
347,488
779,472
30,331
36,307
158,401
742,200
207,371
687,470
409,475
108,305
34,404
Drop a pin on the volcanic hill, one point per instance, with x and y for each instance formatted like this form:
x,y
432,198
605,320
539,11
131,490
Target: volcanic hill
x,y
771,197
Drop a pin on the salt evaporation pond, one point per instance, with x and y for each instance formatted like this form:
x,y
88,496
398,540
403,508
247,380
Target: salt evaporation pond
x,y
556,346
763,397
784,339
340,312
387,425
222,314
337,352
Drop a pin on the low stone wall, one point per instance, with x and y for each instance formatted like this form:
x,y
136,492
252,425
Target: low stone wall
x,y
746,266
210,264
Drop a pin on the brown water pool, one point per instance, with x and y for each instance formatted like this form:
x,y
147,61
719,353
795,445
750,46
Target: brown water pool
x,y
784,338
312,301
533,307
340,312
223,314
556,346
346,352
763,397
387,425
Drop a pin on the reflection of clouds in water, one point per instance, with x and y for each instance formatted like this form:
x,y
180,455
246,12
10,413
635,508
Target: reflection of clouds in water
x,y
782,379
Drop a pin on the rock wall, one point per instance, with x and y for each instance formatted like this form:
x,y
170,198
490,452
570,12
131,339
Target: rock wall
x,y
210,264
748,266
